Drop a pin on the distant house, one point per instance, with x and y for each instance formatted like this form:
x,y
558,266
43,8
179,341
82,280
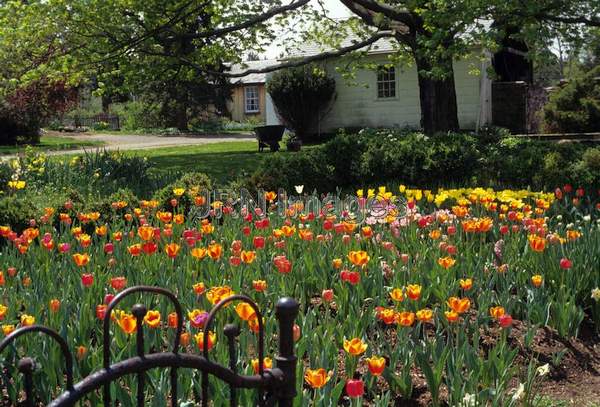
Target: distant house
x,y
249,96
389,96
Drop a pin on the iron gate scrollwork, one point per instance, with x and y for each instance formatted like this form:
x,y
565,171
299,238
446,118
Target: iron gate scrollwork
x,y
274,386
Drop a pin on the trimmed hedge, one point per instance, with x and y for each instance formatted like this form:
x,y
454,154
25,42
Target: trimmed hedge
x,y
383,156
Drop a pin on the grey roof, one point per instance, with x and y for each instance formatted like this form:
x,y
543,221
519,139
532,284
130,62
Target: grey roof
x,y
254,77
381,46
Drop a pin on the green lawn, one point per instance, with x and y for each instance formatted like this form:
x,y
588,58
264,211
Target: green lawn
x,y
51,143
221,161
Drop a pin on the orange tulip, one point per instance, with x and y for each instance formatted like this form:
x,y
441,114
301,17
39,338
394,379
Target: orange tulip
x,y
127,322
337,263
355,346
413,291
152,319
81,260
199,288
537,243
451,316
376,365
537,280
317,378
397,294
245,311
172,249
146,233
216,294
267,364
405,318
81,352
3,311
425,315
212,339
465,284
54,305
497,312
7,329
198,252
27,320
459,305
215,250
446,262
184,339
270,196
248,256
358,258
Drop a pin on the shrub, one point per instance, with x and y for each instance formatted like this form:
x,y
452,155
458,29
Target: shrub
x,y
380,156
309,168
300,96
16,211
193,183
138,115
575,108
23,111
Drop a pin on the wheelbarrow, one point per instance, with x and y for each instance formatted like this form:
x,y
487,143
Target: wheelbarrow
x,y
269,136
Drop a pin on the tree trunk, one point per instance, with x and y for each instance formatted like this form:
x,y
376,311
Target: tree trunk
x,y
439,112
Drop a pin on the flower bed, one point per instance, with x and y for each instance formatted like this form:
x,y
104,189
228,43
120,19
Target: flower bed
x,y
433,297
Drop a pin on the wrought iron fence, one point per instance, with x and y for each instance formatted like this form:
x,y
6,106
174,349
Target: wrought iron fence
x,y
108,121
274,386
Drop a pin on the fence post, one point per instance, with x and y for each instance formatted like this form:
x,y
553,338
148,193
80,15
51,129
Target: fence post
x,y
286,312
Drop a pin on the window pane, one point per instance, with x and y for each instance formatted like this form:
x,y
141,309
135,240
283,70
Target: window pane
x,y
251,99
386,82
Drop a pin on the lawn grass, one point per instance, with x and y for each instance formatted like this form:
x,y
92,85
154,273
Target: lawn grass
x,y
52,143
220,161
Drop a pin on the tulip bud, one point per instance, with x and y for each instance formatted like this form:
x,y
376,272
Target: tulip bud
x,y
297,332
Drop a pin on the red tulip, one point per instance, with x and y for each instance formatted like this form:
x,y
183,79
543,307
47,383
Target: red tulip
x,y
580,192
568,188
246,230
327,295
558,193
505,320
353,277
108,298
565,263
259,242
87,280
355,388
109,248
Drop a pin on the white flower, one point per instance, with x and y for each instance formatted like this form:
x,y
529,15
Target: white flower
x,y
559,217
519,392
543,370
468,400
587,218
596,294
299,189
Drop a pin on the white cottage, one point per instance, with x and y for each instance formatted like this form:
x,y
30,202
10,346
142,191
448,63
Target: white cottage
x,y
389,97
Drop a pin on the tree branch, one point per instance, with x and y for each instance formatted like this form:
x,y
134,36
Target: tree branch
x,y
295,62
248,23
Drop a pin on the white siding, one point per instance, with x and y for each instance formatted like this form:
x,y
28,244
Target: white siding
x,y
358,106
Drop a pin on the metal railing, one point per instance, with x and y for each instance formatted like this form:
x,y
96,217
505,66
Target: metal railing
x,y
274,386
